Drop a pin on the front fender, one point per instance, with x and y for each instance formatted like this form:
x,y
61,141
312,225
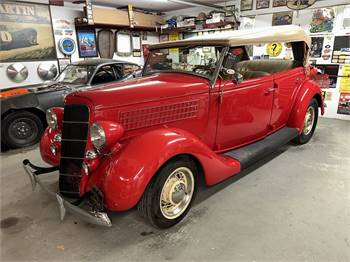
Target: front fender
x,y
19,102
123,177
307,92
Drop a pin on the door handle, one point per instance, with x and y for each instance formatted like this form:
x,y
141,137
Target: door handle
x,y
270,90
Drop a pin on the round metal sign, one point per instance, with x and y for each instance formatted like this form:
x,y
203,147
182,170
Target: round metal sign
x,y
67,46
274,49
299,4
47,71
17,72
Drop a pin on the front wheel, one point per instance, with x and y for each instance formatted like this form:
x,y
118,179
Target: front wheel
x,y
170,193
20,129
310,122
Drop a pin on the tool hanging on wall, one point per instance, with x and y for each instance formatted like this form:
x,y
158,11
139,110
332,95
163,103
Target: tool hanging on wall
x,y
131,16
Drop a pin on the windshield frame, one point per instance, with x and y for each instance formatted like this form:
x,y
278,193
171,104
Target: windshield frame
x,y
211,79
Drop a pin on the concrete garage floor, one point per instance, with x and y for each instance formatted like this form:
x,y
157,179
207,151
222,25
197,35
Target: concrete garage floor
x,y
293,206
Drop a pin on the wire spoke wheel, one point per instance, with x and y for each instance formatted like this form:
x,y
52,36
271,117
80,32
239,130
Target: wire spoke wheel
x,y
177,193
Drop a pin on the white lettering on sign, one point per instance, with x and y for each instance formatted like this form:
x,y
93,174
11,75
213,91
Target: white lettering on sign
x,y
14,9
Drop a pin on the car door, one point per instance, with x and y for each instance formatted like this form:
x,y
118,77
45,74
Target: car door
x,y
244,111
287,84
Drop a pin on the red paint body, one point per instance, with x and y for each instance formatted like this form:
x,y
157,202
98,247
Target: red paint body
x,y
164,115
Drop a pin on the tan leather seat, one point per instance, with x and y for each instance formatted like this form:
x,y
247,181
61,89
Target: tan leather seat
x,y
266,66
254,74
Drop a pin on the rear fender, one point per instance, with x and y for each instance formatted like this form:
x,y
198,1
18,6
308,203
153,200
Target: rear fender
x,y
307,92
124,176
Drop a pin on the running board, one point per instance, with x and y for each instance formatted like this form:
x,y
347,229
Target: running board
x,y
252,153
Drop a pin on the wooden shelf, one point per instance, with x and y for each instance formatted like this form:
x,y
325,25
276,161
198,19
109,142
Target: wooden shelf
x,y
193,29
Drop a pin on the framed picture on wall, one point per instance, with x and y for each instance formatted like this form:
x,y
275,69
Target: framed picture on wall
x,y
86,43
136,44
26,32
282,18
246,5
163,38
124,43
262,4
278,3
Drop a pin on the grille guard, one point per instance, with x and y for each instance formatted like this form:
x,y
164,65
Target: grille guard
x,y
93,217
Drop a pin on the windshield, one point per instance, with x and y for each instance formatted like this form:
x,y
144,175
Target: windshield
x,y
197,60
76,74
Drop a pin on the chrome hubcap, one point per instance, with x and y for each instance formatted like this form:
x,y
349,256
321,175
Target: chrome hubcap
x,y
177,193
309,120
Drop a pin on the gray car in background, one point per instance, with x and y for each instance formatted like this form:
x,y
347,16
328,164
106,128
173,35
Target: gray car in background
x,y
23,115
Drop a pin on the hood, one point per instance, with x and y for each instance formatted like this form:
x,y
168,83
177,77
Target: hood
x,y
51,86
144,89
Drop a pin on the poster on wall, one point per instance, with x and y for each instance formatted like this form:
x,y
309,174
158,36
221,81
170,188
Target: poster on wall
x,y
63,27
261,4
345,79
344,104
332,72
327,97
316,47
278,3
282,18
341,50
322,20
246,5
26,32
87,43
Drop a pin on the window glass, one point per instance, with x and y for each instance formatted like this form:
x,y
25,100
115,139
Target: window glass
x,y
75,74
130,69
104,75
198,60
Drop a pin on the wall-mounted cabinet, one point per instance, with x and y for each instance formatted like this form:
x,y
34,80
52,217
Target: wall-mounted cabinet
x,y
118,18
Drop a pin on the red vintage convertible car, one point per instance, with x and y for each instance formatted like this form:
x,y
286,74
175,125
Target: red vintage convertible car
x,y
202,110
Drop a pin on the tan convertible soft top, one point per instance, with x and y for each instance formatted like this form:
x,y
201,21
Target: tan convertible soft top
x,y
285,33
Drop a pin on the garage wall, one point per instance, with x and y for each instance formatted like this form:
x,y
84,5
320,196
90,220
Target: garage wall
x,y
152,38
67,12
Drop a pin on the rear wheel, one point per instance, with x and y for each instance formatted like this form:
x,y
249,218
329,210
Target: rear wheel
x,y
20,129
169,195
310,122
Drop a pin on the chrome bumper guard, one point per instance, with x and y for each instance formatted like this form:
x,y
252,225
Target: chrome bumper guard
x,y
93,217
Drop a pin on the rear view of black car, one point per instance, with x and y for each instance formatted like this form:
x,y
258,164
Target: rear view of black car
x,y
23,109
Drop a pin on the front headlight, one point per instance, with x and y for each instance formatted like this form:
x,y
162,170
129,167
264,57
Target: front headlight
x,y
97,136
51,118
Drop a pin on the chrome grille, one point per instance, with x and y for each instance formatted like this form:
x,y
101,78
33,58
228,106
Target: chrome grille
x,y
74,136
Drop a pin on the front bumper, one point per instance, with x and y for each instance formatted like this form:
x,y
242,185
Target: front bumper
x,y
90,216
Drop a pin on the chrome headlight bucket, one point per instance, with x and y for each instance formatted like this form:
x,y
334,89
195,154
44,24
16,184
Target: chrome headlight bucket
x,y
51,119
97,136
